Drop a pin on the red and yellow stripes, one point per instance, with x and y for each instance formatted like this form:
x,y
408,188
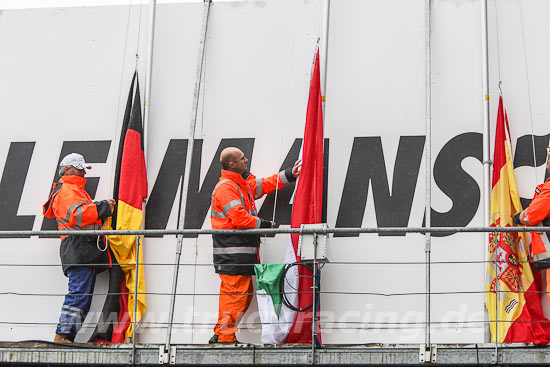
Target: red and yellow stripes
x,y
510,279
131,187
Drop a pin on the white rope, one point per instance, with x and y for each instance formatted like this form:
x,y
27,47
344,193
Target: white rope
x,y
528,92
117,122
139,32
498,43
283,136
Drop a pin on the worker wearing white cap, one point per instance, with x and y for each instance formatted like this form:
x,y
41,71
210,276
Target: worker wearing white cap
x,y
74,210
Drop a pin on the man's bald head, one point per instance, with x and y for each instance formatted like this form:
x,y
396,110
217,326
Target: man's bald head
x,y
233,159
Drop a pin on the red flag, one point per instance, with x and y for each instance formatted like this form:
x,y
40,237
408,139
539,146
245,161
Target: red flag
x,y
308,201
516,305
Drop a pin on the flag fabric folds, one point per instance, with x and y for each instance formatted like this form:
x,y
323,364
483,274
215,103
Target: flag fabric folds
x,y
291,326
511,285
130,190
268,280
308,203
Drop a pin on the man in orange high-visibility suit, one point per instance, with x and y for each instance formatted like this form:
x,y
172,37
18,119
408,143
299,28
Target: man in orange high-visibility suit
x,y
538,214
233,207
74,210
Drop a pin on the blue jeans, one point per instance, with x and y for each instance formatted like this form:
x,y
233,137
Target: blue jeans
x,y
77,301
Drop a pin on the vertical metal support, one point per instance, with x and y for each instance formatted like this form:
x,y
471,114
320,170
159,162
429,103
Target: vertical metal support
x,y
314,311
187,174
486,132
135,301
148,76
497,316
428,150
323,49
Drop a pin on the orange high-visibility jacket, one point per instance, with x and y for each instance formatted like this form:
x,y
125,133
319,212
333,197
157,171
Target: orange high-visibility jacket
x,y
537,214
233,207
74,210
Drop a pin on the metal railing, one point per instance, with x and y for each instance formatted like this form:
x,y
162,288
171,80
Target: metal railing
x,y
427,324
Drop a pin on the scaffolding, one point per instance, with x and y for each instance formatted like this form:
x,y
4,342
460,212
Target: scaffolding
x,y
47,353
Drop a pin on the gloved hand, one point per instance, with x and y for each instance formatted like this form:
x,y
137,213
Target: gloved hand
x,y
516,220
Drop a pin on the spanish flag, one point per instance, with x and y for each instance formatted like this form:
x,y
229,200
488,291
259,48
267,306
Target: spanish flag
x,y
130,190
513,304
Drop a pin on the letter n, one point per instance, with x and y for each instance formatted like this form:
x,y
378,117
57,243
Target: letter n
x,y
367,166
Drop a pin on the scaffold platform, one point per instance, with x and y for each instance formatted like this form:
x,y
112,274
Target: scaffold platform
x,y
42,353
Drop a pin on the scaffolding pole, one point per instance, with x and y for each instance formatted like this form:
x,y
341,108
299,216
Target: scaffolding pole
x,y
428,155
486,131
188,160
323,50
272,231
148,78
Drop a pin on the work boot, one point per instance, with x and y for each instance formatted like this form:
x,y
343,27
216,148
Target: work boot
x,y
214,340
60,338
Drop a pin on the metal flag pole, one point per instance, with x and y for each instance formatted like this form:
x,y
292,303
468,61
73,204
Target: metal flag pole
x,y
428,150
323,50
486,137
135,300
148,77
314,291
187,174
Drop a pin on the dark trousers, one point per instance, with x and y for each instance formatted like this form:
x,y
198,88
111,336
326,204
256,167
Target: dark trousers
x,y
77,300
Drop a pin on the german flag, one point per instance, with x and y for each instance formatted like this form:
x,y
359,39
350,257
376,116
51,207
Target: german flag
x,y
130,190
514,307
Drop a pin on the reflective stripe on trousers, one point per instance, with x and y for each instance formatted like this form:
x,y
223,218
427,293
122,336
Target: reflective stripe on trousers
x,y
77,301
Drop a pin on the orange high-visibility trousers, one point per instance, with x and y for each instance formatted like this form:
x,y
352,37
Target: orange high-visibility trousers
x,y
236,292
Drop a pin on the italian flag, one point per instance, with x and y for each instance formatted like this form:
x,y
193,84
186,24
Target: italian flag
x,y
130,190
511,297
289,326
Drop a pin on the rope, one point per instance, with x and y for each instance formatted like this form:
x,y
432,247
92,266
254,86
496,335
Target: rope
x,y
283,135
245,325
326,264
349,293
139,32
498,46
117,122
528,92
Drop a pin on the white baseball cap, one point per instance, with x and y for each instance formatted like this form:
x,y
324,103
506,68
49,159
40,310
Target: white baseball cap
x,y
76,160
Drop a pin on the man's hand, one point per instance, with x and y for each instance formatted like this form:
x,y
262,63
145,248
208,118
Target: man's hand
x,y
516,219
112,203
296,168
273,224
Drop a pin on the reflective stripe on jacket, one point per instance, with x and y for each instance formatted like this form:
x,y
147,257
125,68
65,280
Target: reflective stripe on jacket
x,y
74,210
538,214
233,207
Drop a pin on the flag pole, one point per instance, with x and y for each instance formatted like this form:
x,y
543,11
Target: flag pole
x,y
135,300
323,49
148,78
187,174
146,103
486,134
428,150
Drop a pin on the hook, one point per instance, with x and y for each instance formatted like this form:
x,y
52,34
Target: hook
x,y
499,87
